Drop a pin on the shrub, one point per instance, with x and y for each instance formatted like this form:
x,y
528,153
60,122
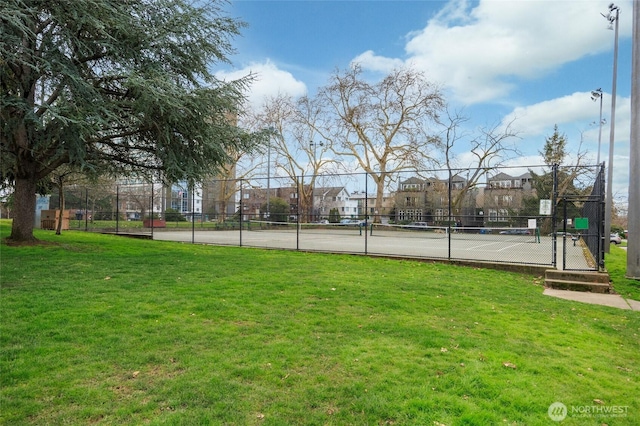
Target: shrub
x,y
172,215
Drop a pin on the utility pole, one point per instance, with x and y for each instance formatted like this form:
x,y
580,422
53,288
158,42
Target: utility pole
x,y
633,213
613,18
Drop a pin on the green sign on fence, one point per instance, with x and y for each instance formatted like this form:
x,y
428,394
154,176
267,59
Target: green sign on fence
x,y
582,223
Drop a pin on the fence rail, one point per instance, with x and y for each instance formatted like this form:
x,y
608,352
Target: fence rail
x,y
437,214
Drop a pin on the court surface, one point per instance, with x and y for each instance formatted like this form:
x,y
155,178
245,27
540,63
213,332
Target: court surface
x,y
524,249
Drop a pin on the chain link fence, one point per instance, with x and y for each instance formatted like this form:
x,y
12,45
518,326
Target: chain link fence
x,y
508,215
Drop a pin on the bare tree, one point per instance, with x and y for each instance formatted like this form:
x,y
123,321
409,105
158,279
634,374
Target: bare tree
x,y
295,146
488,148
384,126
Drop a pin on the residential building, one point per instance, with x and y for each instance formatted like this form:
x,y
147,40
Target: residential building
x,y
326,199
253,199
368,208
503,198
427,200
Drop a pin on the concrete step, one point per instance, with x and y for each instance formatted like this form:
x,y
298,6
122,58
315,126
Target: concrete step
x,y
586,276
594,282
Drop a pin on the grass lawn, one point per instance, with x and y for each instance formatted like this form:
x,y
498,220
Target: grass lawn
x,y
616,264
100,329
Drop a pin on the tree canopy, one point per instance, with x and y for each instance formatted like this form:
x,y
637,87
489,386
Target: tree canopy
x,y
114,87
384,127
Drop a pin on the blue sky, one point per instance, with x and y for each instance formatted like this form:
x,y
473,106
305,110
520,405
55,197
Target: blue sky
x,y
536,60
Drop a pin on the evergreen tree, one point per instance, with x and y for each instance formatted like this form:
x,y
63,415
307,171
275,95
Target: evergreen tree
x,y
113,87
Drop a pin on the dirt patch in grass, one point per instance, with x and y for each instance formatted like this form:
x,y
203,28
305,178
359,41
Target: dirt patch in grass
x,y
30,243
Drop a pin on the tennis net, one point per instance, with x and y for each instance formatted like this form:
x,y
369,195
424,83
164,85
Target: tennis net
x,y
422,230
352,228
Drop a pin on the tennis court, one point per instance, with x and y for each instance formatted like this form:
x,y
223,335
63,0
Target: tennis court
x,y
499,245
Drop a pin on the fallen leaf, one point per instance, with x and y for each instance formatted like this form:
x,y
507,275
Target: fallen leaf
x,y
509,365
135,374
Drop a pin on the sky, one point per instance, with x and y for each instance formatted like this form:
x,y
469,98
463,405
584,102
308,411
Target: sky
x,y
535,61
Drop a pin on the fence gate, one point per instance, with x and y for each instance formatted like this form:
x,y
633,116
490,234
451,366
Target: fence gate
x,y
586,214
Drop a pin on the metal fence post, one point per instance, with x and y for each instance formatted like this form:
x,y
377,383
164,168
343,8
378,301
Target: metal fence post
x,y
366,195
117,208
86,209
554,217
193,212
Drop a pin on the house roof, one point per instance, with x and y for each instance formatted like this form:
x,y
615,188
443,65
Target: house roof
x,y
329,191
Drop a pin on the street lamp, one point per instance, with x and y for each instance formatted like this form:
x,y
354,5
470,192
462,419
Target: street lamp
x,y
633,213
612,17
595,95
315,145
268,176
316,167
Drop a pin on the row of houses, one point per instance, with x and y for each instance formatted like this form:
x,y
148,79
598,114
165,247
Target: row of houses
x,y
415,200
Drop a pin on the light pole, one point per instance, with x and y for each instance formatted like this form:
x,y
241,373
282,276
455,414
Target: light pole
x,y
633,213
612,17
595,95
316,168
269,176
272,131
315,145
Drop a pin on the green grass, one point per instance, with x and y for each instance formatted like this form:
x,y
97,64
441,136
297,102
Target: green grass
x,y
108,330
616,264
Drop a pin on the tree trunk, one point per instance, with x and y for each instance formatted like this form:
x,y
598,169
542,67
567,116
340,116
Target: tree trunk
x,y
379,181
24,210
61,211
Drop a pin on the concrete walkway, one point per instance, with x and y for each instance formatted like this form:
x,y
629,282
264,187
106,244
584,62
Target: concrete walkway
x,y
612,300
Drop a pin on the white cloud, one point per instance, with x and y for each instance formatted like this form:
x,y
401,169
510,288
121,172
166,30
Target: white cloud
x,y
576,116
474,51
371,62
539,119
270,81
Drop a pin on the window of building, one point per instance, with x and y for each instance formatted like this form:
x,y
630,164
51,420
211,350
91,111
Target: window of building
x,y
442,214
